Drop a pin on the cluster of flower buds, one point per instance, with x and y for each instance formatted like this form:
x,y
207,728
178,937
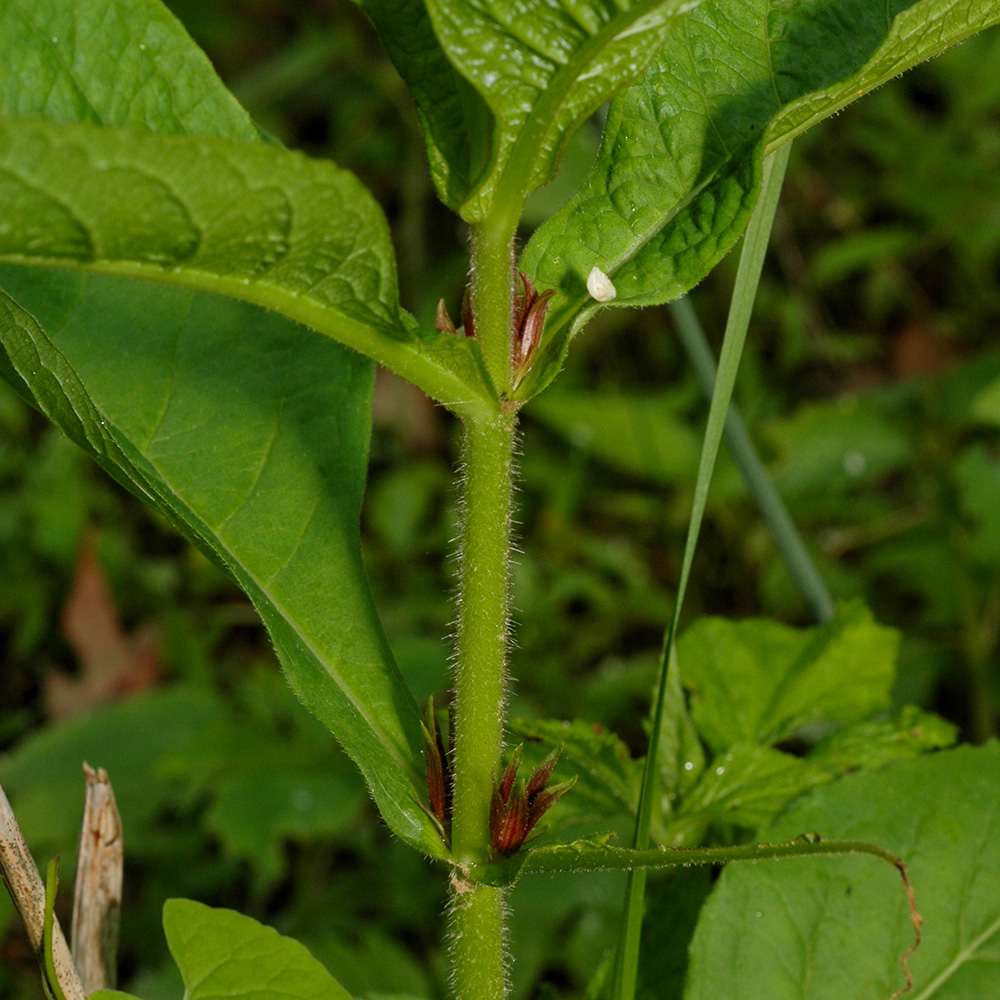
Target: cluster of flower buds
x,y
527,321
517,807
529,317
444,324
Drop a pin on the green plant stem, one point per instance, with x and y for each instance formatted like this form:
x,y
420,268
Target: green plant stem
x,y
493,294
759,482
586,856
477,921
482,630
478,952
477,911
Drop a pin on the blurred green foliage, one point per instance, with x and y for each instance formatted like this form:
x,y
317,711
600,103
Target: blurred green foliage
x,y
871,384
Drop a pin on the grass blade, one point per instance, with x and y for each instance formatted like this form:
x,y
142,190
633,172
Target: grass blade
x,y
759,482
744,292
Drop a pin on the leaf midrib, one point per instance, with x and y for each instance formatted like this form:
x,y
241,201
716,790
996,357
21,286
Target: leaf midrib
x,y
218,542
963,956
516,174
374,340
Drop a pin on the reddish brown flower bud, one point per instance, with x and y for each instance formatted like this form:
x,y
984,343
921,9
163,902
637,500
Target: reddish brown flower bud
x,y
528,320
439,781
542,773
442,321
468,320
516,807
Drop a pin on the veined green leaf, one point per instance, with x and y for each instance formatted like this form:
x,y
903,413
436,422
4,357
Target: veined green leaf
x,y
112,62
759,681
249,432
909,733
458,125
222,416
543,66
809,929
640,435
680,165
748,786
251,221
224,955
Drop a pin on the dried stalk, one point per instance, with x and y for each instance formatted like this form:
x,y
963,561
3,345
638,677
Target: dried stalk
x,y
98,896
28,892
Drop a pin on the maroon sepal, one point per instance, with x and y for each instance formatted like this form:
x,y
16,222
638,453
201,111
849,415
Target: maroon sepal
x,y
529,318
468,320
439,781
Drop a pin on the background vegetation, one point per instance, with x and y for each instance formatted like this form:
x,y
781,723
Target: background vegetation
x,y
871,383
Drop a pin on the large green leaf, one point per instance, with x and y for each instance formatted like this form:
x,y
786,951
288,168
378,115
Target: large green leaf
x,y
759,681
248,431
838,927
224,955
111,62
458,125
542,66
223,416
680,165
247,220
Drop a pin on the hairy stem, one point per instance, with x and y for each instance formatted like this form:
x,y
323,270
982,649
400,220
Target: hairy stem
x,y
493,295
482,631
477,911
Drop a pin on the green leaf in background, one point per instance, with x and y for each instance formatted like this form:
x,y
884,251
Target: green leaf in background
x,y
458,125
986,406
759,681
977,473
43,775
825,448
224,955
246,220
680,755
642,436
268,776
542,67
223,416
680,165
909,733
252,818
838,928
748,786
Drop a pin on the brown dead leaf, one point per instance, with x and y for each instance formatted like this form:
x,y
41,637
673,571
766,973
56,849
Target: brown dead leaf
x,y
113,663
921,350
